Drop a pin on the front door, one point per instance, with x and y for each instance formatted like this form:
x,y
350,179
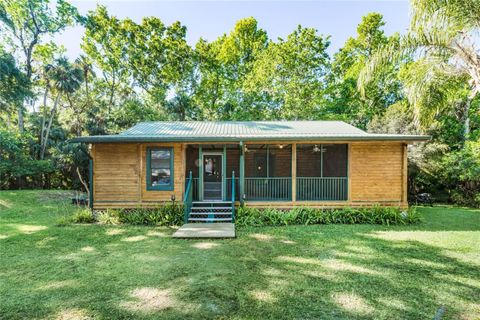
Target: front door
x,y
212,177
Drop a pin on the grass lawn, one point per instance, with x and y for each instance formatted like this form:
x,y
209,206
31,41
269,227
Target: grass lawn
x,y
303,272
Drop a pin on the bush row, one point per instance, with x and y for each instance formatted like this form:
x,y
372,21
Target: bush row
x,y
274,217
172,214
167,214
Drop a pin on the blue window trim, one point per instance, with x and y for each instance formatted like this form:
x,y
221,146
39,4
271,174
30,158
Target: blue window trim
x,y
165,187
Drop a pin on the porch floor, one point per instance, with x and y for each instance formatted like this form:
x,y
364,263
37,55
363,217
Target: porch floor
x,y
205,230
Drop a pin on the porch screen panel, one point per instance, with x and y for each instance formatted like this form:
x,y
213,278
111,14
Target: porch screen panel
x,y
280,160
233,164
309,160
334,160
268,170
322,172
192,163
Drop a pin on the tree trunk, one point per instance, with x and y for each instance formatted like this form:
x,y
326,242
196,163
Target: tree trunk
x,y
44,116
466,124
47,132
20,119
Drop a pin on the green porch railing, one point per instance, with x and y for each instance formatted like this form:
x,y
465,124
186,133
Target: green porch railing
x,y
236,191
268,189
195,194
322,188
187,199
233,196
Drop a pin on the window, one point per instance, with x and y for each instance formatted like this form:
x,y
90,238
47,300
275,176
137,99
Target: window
x,y
159,169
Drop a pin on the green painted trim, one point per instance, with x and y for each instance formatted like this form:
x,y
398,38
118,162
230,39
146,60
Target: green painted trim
x,y
321,160
200,173
268,160
116,201
348,170
224,173
168,187
90,182
242,173
162,138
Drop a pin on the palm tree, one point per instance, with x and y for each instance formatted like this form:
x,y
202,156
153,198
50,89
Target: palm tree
x,y
64,78
442,39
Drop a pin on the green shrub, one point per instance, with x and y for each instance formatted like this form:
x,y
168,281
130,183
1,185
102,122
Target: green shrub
x,y
301,215
109,216
83,216
167,214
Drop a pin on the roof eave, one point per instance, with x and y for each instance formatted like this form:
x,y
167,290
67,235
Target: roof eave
x,y
130,139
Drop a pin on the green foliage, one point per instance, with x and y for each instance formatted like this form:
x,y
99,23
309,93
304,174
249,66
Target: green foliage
x,y
167,214
461,174
14,84
224,65
303,215
83,216
384,90
16,164
290,73
109,216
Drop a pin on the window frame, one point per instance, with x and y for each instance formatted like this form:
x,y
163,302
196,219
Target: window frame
x,y
165,187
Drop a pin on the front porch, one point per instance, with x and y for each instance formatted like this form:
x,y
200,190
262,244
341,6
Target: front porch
x,y
267,173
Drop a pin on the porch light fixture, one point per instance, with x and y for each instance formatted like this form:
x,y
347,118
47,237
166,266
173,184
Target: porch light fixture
x,y
246,149
280,146
316,148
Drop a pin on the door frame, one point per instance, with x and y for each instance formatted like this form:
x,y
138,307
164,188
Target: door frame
x,y
222,157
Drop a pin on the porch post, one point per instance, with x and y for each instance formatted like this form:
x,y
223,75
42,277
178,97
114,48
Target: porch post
x,y
200,173
294,172
224,173
90,182
242,173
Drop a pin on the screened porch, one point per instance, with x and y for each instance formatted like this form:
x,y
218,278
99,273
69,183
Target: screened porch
x,y
268,172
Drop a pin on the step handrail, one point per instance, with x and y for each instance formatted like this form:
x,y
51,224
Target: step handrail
x,y
233,196
188,199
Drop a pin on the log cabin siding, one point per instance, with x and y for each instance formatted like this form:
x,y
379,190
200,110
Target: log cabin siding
x,y
115,168
377,173
119,175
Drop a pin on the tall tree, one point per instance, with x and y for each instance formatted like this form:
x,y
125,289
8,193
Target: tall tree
x,y
65,79
27,21
224,65
290,74
105,46
149,56
344,99
14,84
442,37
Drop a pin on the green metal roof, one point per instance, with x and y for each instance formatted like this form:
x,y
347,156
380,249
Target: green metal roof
x,y
220,131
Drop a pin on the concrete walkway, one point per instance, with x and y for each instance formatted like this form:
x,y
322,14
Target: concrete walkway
x,y
205,230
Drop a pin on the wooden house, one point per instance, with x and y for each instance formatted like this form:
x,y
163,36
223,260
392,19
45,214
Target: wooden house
x,y
256,163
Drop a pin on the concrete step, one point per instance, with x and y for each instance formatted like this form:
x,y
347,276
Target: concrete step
x,y
209,213
209,203
210,219
211,208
